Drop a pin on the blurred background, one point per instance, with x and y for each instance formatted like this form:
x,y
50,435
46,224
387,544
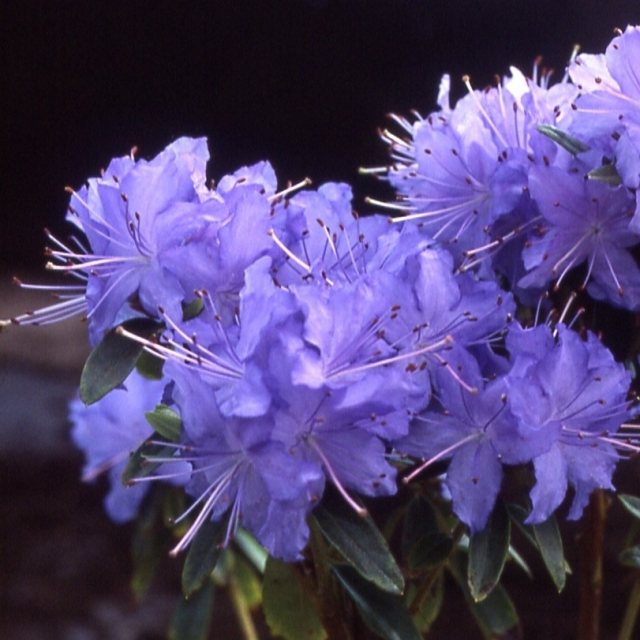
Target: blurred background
x,y
303,83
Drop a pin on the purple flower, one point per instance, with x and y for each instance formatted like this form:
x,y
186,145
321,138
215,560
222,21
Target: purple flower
x,y
584,222
607,112
156,234
573,393
471,430
109,431
239,470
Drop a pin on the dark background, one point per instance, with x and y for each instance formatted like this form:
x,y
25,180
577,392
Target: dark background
x,y
303,83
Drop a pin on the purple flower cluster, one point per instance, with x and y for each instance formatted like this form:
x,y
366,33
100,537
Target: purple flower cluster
x,y
329,348
488,179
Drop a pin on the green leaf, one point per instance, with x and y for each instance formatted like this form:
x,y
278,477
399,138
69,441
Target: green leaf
x,y
429,551
496,615
488,551
607,173
165,421
430,608
252,549
149,366
359,541
141,462
419,522
248,582
563,139
631,557
515,555
383,612
147,546
112,360
288,607
631,504
192,309
192,618
203,554
549,541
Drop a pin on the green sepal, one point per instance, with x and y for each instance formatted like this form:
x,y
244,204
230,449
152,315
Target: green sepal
x,y
165,421
141,462
488,550
383,612
203,555
631,504
288,605
359,541
607,173
192,618
113,359
563,139
630,557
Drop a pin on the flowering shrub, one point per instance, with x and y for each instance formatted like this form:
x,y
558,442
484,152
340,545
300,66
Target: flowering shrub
x,y
279,362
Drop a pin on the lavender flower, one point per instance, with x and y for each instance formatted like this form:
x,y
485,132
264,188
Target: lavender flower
x,y
584,221
574,394
109,431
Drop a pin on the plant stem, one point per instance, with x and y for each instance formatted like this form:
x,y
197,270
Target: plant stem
x,y
241,609
591,574
631,613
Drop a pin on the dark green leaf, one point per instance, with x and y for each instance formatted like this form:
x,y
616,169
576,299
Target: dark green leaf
x,y
141,462
359,541
419,522
149,366
192,618
112,360
518,515
496,615
165,421
549,542
248,582
631,557
488,551
147,546
430,551
383,612
543,537
563,139
630,503
192,309
288,607
606,173
430,607
203,554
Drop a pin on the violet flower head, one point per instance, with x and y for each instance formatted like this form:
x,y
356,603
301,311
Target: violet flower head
x,y
574,394
584,221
